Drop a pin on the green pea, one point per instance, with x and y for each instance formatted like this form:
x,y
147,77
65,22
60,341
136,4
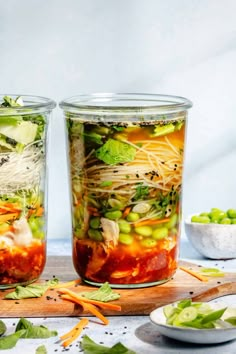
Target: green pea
x,y
113,215
144,230
231,213
124,226
161,233
201,219
173,221
95,222
225,221
132,217
148,242
95,235
126,239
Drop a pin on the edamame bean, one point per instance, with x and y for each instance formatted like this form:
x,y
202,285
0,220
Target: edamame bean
x,y
126,239
144,230
124,226
201,219
160,233
95,235
173,221
114,203
225,221
231,213
132,217
95,222
113,215
233,221
148,242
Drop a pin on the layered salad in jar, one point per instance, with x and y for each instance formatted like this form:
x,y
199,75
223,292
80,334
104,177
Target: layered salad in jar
x,y
22,174
126,197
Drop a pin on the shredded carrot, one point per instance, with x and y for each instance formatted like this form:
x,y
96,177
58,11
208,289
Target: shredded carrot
x,y
39,211
151,222
8,216
67,284
105,305
194,274
86,306
126,212
74,332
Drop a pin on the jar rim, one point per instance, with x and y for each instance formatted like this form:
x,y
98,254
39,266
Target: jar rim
x,y
32,104
125,103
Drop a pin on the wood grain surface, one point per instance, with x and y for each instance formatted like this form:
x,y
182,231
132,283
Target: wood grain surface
x,y
133,301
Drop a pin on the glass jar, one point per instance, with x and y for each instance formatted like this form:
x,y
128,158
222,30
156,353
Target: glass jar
x,y
23,143
126,154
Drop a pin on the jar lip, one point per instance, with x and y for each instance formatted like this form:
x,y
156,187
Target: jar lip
x,y
125,103
32,104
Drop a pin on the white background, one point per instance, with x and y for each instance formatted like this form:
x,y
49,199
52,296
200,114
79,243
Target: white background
x,y
60,48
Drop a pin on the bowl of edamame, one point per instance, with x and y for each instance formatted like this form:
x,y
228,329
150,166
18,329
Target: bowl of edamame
x,y
213,233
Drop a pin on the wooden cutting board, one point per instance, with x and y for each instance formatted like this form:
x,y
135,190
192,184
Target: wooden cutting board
x,y
133,301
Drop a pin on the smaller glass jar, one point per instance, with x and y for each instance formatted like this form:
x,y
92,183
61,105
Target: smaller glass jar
x,y
23,142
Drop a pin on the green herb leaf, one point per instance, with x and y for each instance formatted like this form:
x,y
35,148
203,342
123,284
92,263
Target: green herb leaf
x,y
41,350
10,341
30,291
104,293
3,328
31,331
90,347
94,137
10,102
231,320
141,192
118,129
114,152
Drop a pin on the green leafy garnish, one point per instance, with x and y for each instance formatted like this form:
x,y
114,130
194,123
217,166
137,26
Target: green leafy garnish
x,y
114,152
90,347
104,293
41,350
30,291
10,341
10,102
141,192
25,329
3,328
94,137
32,331
118,129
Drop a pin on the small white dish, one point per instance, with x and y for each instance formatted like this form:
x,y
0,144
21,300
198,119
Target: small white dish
x,y
192,335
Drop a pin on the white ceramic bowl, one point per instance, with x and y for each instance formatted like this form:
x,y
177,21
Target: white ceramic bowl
x,y
215,241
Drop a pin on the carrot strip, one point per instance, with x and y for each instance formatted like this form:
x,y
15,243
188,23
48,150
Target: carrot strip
x,y
86,306
39,211
194,274
9,216
67,284
151,222
74,332
105,305
126,212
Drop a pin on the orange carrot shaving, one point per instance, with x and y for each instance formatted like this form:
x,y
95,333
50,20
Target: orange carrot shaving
x,y
126,212
194,274
9,216
86,306
39,211
67,284
74,332
151,222
105,305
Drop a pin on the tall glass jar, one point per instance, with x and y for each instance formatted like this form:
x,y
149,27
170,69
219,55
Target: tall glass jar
x,y
126,159
23,215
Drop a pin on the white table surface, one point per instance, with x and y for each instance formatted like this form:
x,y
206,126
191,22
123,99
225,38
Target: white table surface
x,y
136,332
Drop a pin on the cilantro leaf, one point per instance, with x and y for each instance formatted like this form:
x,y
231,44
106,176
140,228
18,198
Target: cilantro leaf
x,y
141,192
104,293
